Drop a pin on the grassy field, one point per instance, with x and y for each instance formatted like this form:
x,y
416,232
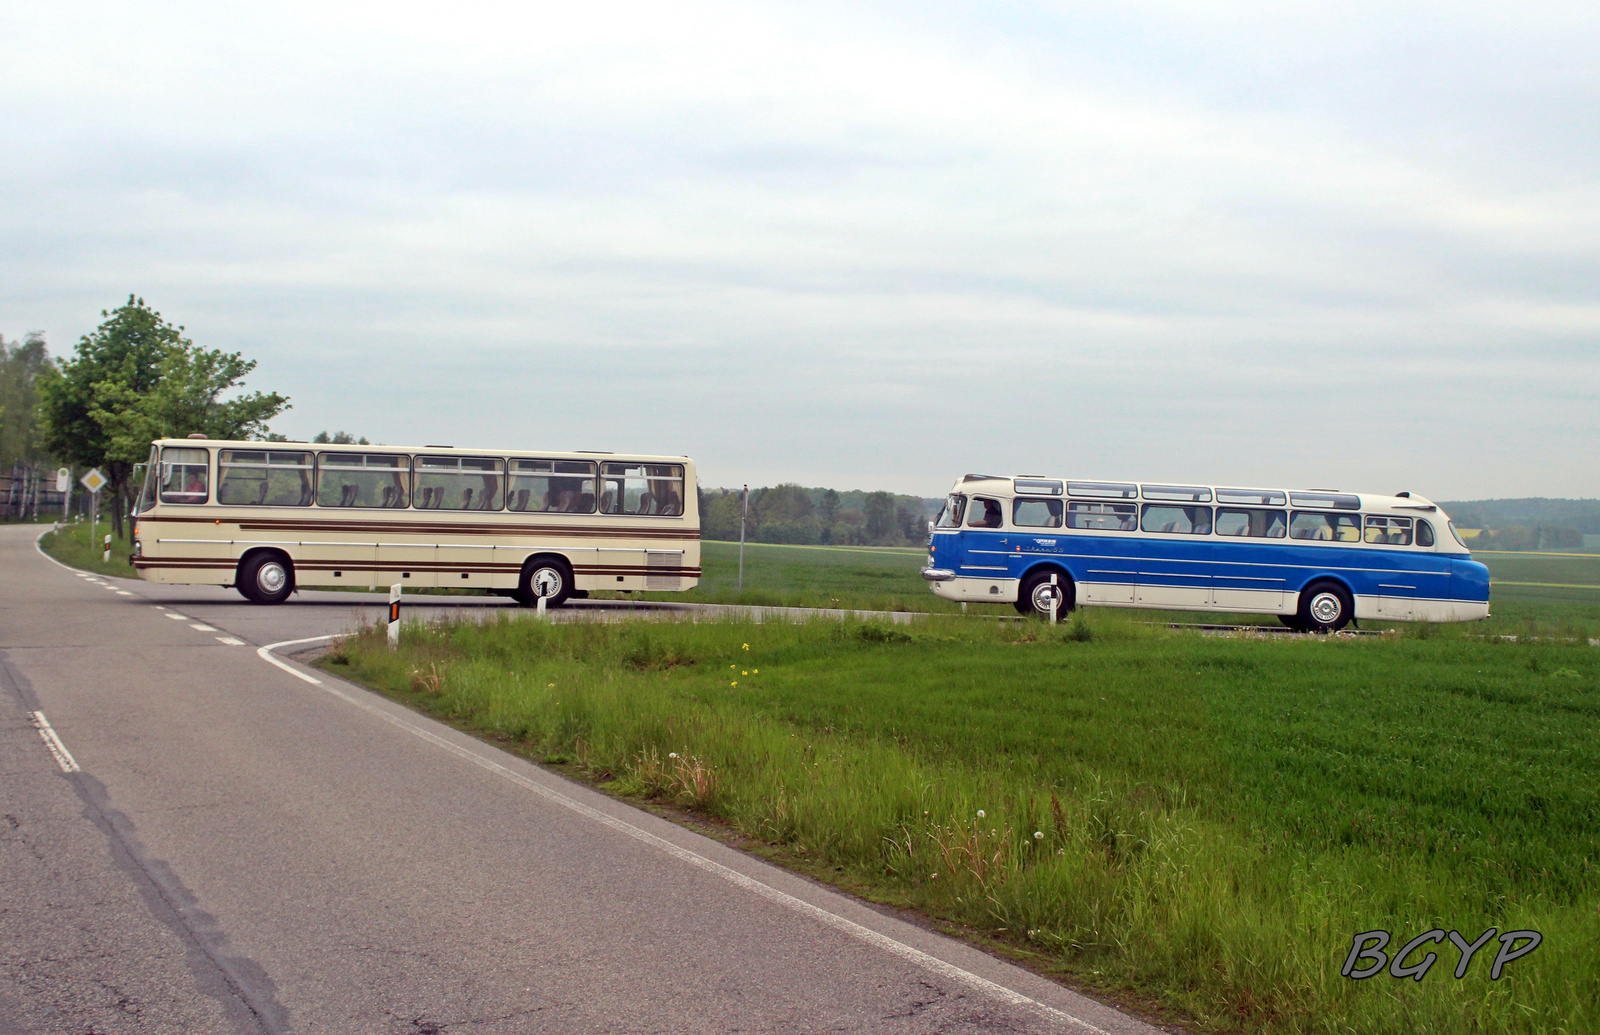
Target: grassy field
x,y
1205,822
72,545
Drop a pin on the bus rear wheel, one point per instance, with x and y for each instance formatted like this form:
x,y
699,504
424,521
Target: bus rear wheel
x,y
1034,595
1325,607
549,577
266,578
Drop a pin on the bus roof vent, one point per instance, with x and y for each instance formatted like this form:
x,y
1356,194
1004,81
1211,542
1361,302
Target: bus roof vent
x,y
1402,495
981,478
435,445
198,434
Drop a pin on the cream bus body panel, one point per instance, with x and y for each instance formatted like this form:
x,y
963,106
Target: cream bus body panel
x,y
182,543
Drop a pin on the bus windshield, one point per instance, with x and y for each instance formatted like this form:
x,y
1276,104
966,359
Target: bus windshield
x,y
950,516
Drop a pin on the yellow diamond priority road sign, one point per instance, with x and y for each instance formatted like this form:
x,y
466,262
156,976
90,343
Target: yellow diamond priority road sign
x,y
93,480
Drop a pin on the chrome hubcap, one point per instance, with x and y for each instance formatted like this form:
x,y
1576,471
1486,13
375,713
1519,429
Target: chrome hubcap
x,y
1326,608
1042,596
271,577
546,582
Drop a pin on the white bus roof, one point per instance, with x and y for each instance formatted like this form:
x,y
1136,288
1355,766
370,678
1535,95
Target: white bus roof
x,y
1005,485
376,447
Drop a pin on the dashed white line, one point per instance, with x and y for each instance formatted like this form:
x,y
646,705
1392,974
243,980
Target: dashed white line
x,y
123,593
781,898
177,617
59,750
202,627
230,641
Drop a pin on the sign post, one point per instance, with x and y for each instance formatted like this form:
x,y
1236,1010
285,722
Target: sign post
x,y
394,616
94,481
64,486
745,513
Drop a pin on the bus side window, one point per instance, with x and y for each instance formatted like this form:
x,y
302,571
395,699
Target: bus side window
x,y
1424,533
1036,513
1159,517
185,474
985,513
1388,531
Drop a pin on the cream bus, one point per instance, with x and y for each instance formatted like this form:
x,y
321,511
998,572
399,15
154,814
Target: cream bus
x,y
266,517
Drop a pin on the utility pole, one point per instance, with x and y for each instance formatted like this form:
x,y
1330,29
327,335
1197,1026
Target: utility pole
x,y
743,514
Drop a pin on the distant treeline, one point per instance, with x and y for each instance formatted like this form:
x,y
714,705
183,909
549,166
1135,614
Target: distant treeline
x,y
792,513
1533,523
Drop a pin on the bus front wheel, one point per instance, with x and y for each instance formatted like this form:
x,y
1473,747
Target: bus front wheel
x,y
266,578
547,577
1325,607
1036,591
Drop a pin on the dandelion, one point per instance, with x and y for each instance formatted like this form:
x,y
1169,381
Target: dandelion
x,y
757,671
1038,835
745,673
550,686
733,666
747,646
980,813
734,683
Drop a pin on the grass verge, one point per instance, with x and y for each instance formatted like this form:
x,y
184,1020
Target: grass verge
x,y
73,545
1201,822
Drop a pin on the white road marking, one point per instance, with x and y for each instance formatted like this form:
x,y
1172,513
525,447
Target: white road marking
x,y
158,607
59,750
176,616
265,653
850,927
123,593
202,627
230,641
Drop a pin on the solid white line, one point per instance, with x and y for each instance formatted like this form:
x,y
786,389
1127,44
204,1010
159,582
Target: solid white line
x,y
266,655
850,927
230,641
63,757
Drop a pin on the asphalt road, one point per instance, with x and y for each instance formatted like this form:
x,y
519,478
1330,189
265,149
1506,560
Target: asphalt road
x,y
195,840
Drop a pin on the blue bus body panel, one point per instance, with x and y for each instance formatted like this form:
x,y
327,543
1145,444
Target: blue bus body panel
x,y
1210,562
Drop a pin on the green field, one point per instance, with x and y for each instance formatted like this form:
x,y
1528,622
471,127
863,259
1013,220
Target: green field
x,y
1216,817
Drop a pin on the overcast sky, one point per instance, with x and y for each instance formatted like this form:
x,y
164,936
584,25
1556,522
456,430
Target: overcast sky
x,y
859,245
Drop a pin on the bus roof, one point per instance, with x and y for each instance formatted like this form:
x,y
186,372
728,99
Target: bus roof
x,y
1006,485
375,447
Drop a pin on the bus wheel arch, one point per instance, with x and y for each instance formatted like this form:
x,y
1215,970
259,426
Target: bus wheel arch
x,y
1326,605
549,571
265,576
1033,593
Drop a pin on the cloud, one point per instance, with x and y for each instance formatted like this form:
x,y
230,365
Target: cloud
x,y
854,245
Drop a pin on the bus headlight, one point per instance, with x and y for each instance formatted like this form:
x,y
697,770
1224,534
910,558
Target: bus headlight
x,y
138,548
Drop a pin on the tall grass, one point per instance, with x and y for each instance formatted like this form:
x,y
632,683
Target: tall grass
x,y
1204,821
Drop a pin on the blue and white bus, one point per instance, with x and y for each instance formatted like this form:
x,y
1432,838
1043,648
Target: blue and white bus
x,y
1316,558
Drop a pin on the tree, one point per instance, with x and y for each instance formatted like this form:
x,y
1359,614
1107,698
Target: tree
x,y
339,438
880,516
137,378
23,366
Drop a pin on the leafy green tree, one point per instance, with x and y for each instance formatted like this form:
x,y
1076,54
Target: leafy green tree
x,y
879,509
340,438
23,365
137,378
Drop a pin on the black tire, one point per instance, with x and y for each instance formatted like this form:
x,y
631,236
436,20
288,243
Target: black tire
x,y
266,578
553,573
1033,598
1325,607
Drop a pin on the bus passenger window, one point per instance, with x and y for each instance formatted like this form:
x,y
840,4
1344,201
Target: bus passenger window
x,y
950,516
551,487
985,514
363,480
1181,520
1324,527
1388,531
185,473
1036,513
1424,533
1103,517
1257,524
641,489
459,482
259,478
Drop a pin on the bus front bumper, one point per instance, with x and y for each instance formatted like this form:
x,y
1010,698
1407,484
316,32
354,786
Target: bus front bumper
x,y
938,574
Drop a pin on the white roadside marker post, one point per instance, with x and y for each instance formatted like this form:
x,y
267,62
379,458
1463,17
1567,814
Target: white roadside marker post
x,y
539,608
107,557
394,616
1055,600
